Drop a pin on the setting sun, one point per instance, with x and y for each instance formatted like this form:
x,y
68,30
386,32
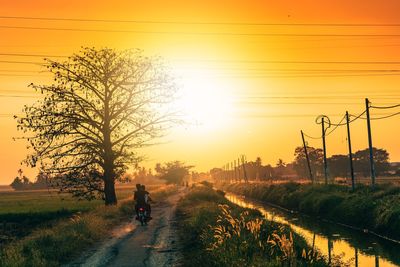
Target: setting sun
x,y
205,99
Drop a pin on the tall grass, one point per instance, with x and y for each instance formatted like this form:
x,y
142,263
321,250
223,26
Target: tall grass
x,y
376,209
215,232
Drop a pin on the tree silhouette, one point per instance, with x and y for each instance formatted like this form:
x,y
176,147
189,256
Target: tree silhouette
x,y
173,172
316,160
362,164
101,107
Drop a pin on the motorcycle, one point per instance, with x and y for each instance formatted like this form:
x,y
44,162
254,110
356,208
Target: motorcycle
x,y
142,216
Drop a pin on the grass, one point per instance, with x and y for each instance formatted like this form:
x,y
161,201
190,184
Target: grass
x,y
23,211
214,232
67,238
376,209
36,201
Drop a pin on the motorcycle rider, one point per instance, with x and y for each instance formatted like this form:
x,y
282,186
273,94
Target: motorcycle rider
x,y
147,200
141,196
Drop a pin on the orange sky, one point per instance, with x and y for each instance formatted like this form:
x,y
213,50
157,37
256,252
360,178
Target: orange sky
x,y
245,100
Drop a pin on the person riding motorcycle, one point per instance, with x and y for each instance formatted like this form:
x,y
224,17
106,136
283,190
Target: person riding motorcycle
x,y
142,198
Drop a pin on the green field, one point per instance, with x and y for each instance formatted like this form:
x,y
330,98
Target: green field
x,y
21,212
38,201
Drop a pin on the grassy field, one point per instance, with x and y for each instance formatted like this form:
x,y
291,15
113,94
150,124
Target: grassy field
x,y
215,232
64,239
23,211
376,209
37,201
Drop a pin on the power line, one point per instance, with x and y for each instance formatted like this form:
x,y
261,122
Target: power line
x,y
385,117
28,55
294,61
20,75
298,103
19,71
336,126
262,62
386,107
20,62
301,76
204,23
389,96
21,96
198,33
312,137
357,117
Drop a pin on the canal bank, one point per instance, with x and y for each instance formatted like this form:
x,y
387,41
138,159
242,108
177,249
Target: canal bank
x,y
332,240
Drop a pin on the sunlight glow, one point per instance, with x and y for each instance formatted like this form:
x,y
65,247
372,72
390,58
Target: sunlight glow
x,y
204,99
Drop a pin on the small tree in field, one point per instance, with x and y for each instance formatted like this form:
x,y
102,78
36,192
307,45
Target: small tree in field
x,y
173,172
101,107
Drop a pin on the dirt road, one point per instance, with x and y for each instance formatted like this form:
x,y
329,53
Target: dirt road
x,y
133,245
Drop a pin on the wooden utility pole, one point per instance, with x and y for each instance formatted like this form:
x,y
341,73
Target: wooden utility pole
x,y
244,169
324,146
353,186
240,179
308,160
234,170
356,257
371,156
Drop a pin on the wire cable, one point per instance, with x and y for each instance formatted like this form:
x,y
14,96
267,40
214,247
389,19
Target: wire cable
x,y
28,55
197,33
385,117
386,107
312,137
336,126
357,117
204,23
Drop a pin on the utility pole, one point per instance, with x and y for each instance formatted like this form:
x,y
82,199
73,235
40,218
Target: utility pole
x,y
227,172
238,161
234,171
324,146
371,156
244,169
308,160
356,257
350,153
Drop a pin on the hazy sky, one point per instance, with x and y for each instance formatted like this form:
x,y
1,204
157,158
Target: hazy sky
x,y
253,73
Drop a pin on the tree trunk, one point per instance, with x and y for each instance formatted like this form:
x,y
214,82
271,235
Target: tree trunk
x,y
109,171
109,192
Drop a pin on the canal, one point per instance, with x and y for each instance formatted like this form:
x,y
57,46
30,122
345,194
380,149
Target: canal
x,y
332,240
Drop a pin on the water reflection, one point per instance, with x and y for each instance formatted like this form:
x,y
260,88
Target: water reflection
x,y
331,240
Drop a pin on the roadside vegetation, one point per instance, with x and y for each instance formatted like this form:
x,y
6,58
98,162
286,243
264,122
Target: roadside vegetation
x,y
215,232
376,209
64,239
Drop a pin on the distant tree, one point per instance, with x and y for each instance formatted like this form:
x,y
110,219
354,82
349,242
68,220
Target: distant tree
x,y
21,182
362,162
280,168
267,172
339,166
42,180
316,160
101,107
280,163
173,172
215,174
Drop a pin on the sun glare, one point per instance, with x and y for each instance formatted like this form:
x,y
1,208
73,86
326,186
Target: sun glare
x,y
204,99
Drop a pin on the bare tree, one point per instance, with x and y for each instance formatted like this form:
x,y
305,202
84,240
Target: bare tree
x,y
101,107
